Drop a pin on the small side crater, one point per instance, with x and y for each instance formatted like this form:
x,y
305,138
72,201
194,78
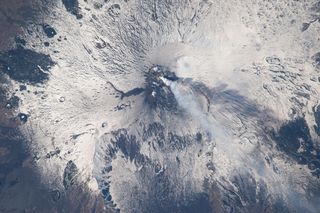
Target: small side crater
x,y
49,30
114,10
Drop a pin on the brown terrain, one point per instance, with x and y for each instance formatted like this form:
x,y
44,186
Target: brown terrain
x,y
21,189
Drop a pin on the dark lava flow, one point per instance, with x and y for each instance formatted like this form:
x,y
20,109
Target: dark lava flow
x,y
316,111
72,6
295,140
157,93
25,65
69,174
157,179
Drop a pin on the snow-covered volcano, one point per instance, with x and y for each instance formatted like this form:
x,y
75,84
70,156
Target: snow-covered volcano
x,y
174,106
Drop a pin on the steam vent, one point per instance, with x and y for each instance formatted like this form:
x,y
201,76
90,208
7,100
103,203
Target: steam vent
x,y
160,106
